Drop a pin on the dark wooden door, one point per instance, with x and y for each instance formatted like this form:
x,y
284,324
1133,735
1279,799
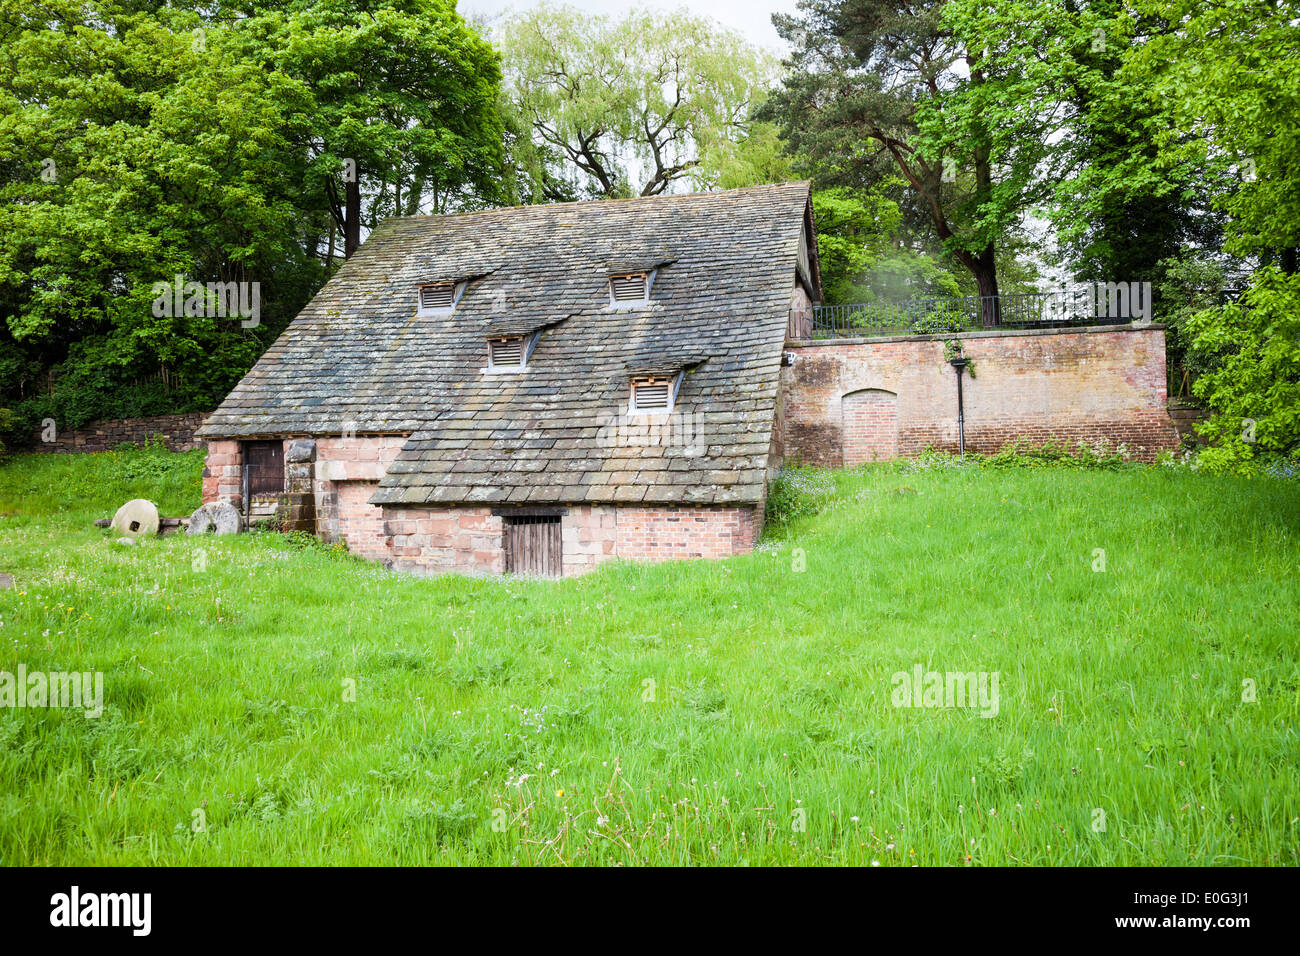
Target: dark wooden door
x,y
265,461
533,545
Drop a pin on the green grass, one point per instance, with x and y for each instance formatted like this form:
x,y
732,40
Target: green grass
x,y
225,680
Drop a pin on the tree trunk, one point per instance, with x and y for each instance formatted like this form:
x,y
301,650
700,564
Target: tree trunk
x,y
1290,260
984,269
352,218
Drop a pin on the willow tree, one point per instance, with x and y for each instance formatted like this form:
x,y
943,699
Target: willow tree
x,y
631,106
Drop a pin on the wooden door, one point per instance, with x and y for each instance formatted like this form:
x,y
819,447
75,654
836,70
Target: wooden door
x,y
265,461
533,545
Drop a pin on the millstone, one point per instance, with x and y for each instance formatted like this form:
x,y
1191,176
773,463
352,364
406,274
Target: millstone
x,y
136,519
219,517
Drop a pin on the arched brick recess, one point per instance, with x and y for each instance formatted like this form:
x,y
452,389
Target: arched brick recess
x,y
870,419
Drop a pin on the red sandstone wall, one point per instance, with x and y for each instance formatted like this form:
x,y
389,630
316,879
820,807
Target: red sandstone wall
x,y
223,472
1036,385
347,474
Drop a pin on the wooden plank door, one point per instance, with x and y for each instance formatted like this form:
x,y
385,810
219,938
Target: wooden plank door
x,y
265,461
533,546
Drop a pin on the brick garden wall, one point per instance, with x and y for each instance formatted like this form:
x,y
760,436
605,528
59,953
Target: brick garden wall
x,y
869,426
1037,385
177,432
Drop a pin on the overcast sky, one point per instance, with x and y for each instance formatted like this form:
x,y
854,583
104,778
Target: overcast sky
x,y
753,18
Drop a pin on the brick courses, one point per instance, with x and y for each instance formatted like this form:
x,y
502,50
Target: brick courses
x,y
1067,386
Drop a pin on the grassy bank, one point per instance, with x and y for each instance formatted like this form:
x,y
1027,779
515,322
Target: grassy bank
x,y
686,713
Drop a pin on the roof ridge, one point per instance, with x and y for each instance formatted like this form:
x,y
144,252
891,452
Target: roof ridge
x,y
663,197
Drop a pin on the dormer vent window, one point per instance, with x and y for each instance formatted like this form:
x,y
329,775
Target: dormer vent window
x,y
438,297
630,289
654,394
510,353
507,351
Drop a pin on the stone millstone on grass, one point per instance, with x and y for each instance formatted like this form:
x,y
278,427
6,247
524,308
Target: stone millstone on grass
x,y
219,517
136,519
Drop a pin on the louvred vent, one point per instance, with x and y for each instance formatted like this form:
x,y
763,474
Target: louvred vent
x,y
434,297
651,394
629,288
507,351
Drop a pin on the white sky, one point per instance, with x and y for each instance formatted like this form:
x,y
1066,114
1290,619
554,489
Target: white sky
x,y
752,18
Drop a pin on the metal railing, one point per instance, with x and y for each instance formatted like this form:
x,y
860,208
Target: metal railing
x,y
1035,310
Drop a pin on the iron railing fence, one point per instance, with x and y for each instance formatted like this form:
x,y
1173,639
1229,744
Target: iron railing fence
x,y
964,314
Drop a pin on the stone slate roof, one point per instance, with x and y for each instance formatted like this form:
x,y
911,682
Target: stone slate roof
x,y
359,357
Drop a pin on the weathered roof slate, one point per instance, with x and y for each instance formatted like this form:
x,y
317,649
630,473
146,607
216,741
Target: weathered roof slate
x,y
358,357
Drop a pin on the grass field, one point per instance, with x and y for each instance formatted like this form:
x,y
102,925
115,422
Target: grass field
x,y
732,712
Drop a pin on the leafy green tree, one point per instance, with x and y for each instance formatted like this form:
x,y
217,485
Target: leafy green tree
x,y
134,150
1117,208
1227,72
633,105
1254,387
890,88
758,158
140,142
402,101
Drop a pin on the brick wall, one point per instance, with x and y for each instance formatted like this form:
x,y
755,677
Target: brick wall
x,y
1036,385
342,465
438,540
361,524
870,422
177,432
662,534
469,540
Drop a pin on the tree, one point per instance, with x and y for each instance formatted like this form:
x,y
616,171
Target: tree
x,y
142,142
1226,72
633,105
1118,212
403,104
135,150
887,87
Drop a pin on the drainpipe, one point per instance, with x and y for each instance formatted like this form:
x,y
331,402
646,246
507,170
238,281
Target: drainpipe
x,y
960,363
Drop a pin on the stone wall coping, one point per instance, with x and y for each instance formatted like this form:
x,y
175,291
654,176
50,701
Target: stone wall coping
x,y
976,334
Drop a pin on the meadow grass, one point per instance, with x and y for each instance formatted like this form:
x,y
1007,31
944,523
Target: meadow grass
x,y
735,712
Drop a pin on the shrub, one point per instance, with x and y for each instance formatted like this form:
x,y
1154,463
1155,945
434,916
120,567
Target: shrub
x,y
799,493
1023,454
8,423
1101,454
